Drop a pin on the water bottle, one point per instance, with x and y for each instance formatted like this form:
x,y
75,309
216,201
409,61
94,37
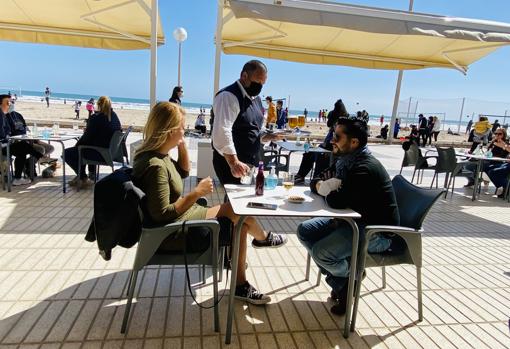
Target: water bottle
x,y
271,181
488,154
56,129
307,145
259,180
34,130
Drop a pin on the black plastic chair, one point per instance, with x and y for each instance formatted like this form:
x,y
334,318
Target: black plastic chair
x,y
414,204
272,159
446,163
114,153
149,252
414,157
123,144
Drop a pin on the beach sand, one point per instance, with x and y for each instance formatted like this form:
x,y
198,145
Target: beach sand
x,y
64,114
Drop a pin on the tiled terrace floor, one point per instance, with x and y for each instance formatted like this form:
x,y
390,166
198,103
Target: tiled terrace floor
x,y
56,292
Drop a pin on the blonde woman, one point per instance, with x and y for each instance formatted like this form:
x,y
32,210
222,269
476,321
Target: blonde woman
x,y
100,127
160,177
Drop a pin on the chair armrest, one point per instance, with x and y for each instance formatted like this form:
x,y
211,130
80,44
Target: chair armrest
x,y
431,157
152,238
104,152
373,229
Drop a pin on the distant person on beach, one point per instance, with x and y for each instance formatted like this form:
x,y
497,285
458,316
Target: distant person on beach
x,y
77,106
271,111
423,128
177,94
495,126
47,94
20,150
436,128
396,129
321,161
482,129
200,123
305,113
430,126
90,106
381,120
100,128
384,132
281,115
211,120
469,125
237,139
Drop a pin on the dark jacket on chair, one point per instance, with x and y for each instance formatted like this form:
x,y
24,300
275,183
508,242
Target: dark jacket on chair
x,y
116,220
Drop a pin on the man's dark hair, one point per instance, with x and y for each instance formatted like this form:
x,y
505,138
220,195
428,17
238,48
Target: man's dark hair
x,y
269,98
354,128
2,97
252,66
279,102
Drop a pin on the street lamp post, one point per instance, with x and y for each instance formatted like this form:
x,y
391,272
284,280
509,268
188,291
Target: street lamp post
x,y
180,35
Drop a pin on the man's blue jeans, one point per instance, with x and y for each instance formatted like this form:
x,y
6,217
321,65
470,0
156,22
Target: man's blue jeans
x,y
329,242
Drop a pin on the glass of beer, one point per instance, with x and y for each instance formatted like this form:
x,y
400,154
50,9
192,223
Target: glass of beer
x,y
288,182
301,121
293,121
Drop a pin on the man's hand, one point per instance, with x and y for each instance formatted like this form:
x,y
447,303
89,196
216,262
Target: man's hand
x,y
237,167
272,137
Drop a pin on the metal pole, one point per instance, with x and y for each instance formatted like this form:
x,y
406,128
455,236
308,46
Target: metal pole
x,y
217,57
408,110
397,93
504,118
179,66
154,51
395,106
461,113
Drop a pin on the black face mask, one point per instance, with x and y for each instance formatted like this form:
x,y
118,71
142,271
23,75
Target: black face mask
x,y
254,89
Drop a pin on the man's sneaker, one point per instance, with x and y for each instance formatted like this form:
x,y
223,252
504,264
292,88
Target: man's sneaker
x,y
74,182
249,294
85,183
21,181
299,180
272,240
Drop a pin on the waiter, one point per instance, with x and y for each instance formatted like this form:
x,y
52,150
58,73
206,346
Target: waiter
x,y
238,124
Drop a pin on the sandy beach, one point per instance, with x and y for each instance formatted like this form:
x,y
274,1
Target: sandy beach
x,y
64,114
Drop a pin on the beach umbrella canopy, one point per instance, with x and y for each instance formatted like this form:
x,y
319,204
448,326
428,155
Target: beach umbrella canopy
x,y
322,32
105,24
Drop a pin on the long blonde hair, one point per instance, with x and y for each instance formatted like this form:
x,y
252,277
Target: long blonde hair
x,y
163,118
104,104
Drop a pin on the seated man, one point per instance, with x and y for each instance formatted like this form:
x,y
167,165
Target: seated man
x,y
358,181
200,123
19,149
18,126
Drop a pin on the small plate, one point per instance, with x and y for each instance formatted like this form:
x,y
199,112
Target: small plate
x,y
296,199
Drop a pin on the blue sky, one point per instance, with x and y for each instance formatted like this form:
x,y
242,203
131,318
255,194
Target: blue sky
x,y
125,73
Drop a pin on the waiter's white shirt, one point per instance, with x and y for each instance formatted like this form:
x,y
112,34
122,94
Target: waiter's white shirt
x,y
226,109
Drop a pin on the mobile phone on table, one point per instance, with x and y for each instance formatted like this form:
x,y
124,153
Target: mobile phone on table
x,y
262,205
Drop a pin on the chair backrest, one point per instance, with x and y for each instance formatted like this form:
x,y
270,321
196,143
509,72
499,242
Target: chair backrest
x,y
413,202
123,143
446,160
411,155
116,146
